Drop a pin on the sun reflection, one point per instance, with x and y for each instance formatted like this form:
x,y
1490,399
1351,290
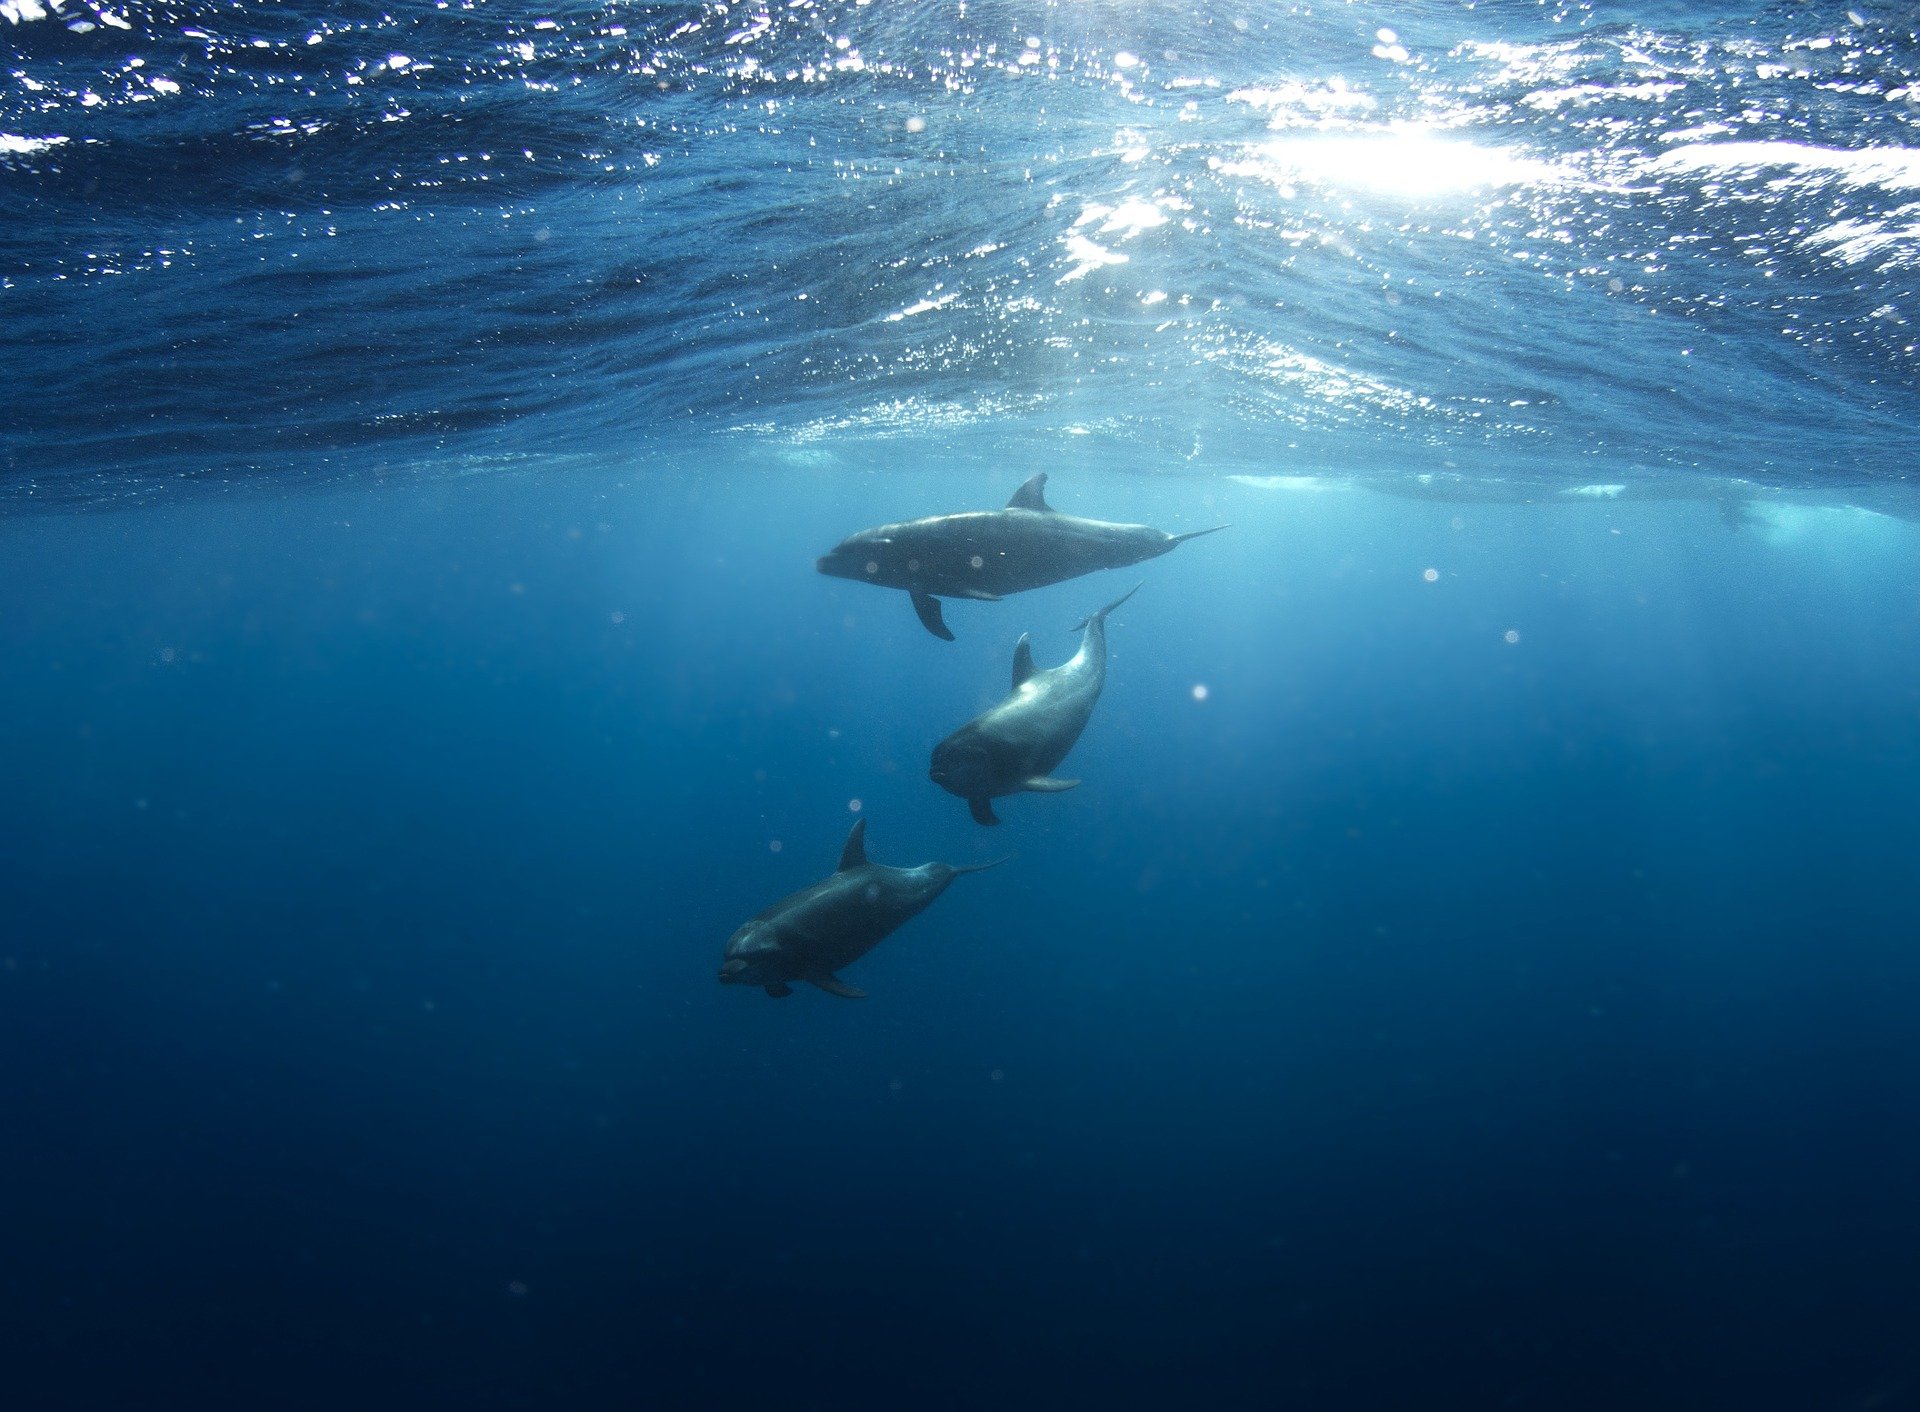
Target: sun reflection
x,y
1401,160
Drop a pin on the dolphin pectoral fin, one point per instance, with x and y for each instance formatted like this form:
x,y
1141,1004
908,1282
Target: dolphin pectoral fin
x,y
833,985
1032,495
779,990
928,607
982,811
1046,784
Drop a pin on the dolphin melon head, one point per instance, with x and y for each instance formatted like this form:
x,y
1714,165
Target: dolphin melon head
x,y
752,957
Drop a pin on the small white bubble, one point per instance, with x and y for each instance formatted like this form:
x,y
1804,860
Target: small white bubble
x,y
997,1075
1431,575
1457,523
1199,691
977,562
916,124
167,654
516,1287
873,566
854,805
1512,636
617,616
775,846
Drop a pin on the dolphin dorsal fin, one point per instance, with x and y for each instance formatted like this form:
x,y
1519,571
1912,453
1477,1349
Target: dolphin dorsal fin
x,y
1022,662
1032,495
854,854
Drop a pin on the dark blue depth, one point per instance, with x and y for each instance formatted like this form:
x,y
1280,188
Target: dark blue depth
x,y
1420,1020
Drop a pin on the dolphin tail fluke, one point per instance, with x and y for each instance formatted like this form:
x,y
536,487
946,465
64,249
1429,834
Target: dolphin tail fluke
x,y
979,867
1195,534
1101,616
982,811
928,607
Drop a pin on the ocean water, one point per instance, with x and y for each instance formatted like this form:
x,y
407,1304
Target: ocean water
x,y
1479,967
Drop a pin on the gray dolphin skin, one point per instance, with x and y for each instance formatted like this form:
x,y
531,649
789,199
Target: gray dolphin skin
x,y
818,930
986,554
1013,747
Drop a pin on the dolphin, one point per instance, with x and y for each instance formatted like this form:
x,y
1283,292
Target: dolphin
x,y
816,931
1012,747
988,553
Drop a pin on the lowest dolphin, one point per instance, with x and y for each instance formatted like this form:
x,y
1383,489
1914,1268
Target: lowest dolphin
x,y
987,553
1014,747
816,931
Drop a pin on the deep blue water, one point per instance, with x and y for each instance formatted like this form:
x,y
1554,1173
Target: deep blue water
x,y
1479,967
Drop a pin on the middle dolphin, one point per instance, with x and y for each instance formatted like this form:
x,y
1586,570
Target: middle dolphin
x,y
1010,748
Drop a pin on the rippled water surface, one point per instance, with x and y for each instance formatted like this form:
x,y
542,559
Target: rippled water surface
x,y
1568,243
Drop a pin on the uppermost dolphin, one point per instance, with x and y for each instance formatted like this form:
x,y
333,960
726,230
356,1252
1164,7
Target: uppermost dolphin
x,y
988,553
